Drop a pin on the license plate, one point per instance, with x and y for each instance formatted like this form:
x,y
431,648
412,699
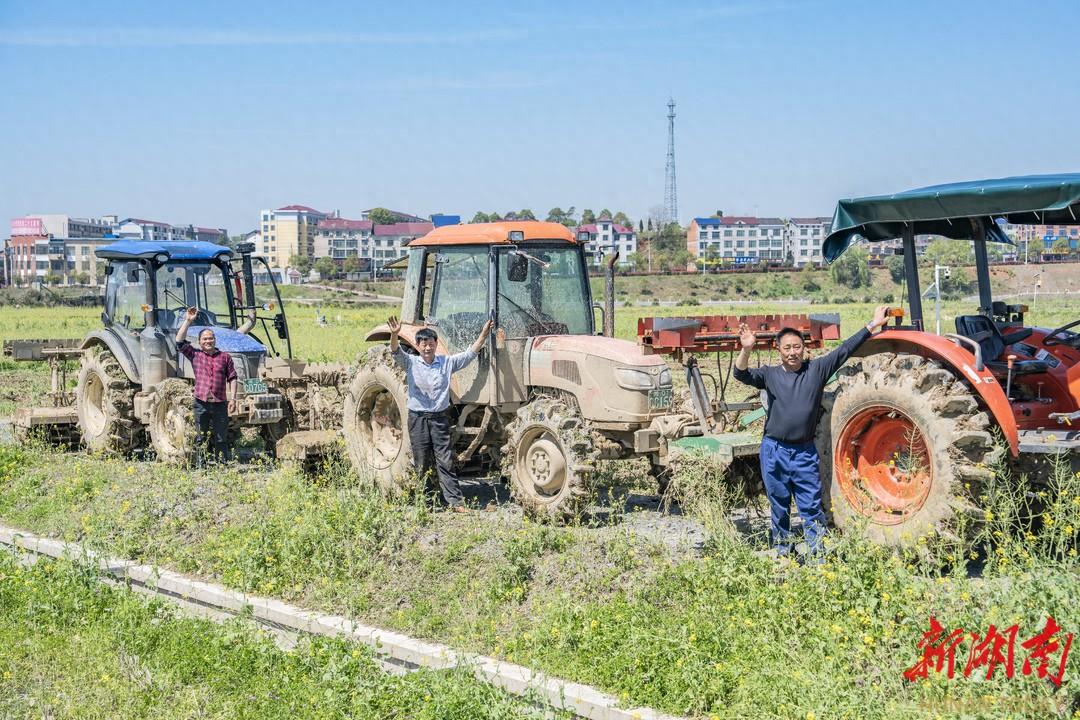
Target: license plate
x,y
660,398
253,386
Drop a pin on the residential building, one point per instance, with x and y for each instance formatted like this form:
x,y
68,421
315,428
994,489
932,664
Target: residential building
x,y
339,238
805,236
389,241
607,236
288,231
736,239
60,226
151,230
214,235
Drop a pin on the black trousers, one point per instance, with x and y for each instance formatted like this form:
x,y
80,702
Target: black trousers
x,y
429,434
212,423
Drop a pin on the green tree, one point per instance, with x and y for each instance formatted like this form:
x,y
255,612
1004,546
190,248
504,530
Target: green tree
x,y
480,217
495,216
852,269
1060,246
300,262
525,214
565,217
895,263
605,213
381,216
954,253
326,268
587,217
351,265
623,219
640,226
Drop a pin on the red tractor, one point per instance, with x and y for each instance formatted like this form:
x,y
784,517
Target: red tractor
x,y
910,433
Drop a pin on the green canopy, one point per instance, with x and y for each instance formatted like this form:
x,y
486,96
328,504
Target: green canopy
x,y
947,210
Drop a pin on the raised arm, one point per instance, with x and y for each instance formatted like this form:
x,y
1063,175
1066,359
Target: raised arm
x,y
754,377
832,361
475,347
189,317
395,328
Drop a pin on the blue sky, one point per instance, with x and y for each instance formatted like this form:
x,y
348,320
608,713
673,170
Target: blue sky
x,y
207,112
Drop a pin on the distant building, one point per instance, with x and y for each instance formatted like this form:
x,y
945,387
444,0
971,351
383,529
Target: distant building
x,y
214,235
288,231
606,237
389,241
339,238
805,237
61,226
737,239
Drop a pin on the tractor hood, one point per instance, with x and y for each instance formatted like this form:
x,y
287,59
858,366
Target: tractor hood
x,y
619,351
229,340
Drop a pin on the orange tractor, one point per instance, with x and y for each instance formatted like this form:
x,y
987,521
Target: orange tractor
x,y
910,433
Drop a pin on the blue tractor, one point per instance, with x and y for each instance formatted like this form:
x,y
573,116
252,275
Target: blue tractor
x,y
133,382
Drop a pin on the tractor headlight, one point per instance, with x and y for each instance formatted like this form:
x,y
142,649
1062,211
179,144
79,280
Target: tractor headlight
x,y
631,379
665,378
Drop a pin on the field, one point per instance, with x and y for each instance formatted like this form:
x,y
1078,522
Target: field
x,y
694,623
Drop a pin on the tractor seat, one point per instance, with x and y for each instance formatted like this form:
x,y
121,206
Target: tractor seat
x,y
982,330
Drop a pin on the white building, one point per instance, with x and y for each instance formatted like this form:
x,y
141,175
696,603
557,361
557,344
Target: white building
x,y
339,238
607,236
805,237
389,241
736,239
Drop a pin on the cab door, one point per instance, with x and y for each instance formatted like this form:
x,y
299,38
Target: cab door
x,y
459,308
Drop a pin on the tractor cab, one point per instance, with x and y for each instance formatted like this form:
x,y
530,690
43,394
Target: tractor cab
x,y
149,287
1028,377
531,278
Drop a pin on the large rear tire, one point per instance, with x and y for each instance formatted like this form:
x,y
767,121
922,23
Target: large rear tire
x,y
105,402
550,459
375,424
905,448
172,422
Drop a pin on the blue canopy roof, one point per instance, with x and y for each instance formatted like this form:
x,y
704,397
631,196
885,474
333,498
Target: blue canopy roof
x,y
957,210
142,249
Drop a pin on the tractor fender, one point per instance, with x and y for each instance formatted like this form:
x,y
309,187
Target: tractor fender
x,y
109,339
961,361
406,336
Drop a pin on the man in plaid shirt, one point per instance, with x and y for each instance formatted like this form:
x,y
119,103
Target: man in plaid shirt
x,y
215,386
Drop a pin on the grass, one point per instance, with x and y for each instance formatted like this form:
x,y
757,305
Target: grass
x,y
723,632
100,651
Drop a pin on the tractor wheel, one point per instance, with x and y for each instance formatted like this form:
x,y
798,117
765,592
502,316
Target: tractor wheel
x,y
172,422
550,459
105,402
904,447
375,423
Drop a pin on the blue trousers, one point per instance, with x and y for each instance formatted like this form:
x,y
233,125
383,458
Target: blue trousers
x,y
792,470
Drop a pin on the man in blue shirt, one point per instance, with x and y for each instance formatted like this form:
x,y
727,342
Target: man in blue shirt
x,y
428,378
789,458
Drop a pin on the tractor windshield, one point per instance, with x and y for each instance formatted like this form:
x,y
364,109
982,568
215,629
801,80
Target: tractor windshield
x,y
543,291
181,285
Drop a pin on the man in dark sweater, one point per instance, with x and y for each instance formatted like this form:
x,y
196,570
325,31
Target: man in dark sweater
x,y
789,458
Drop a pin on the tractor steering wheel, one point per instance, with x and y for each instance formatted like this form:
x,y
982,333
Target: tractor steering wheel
x,y
1049,340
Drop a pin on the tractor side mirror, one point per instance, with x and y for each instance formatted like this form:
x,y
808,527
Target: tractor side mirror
x,y
279,325
517,269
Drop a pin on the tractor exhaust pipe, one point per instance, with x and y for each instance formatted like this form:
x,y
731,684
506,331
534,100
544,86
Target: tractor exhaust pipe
x,y
609,295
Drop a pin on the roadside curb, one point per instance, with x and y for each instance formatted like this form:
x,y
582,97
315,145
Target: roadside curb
x,y
391,648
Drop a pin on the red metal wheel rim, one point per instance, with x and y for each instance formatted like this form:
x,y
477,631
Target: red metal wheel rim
x,y
883,465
